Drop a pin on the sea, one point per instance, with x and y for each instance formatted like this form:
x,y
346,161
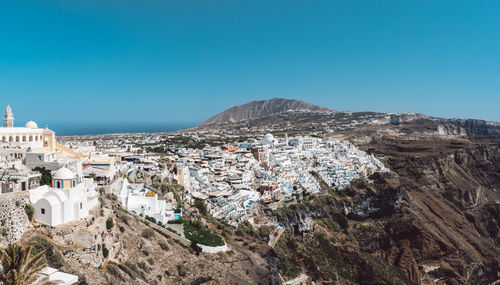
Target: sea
x,y
66,129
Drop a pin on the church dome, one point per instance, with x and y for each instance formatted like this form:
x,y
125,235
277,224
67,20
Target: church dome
x,y
64,174
31,125
268,139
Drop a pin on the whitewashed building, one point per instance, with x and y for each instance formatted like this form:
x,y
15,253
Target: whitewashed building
x,y
145,202
69,198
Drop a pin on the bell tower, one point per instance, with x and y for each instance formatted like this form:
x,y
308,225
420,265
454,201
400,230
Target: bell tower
x,y
8,121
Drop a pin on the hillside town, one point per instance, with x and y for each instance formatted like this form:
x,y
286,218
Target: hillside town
x,y
231,177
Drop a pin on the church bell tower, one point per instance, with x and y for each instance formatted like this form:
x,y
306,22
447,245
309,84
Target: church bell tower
x,y
8,121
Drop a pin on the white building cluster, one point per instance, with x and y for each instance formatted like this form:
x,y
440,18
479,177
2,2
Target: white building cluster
x,y
225,179
69,196
232,179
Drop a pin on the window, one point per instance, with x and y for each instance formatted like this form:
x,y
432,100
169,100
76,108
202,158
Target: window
x,y
42,210
81,205
39,158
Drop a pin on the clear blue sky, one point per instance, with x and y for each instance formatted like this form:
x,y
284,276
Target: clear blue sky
x,y
182,61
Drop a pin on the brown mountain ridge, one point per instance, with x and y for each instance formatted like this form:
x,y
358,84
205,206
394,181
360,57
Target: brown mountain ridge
x,y
260,109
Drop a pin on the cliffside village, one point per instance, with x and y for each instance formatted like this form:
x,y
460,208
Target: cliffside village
x,y
231,176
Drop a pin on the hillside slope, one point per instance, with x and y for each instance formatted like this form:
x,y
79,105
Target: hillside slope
x,y
434,220
261,109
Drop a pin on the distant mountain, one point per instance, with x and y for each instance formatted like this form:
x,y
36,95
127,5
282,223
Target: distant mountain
x,y
260,109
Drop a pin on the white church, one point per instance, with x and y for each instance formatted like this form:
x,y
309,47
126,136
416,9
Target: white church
x,y
28,137
69,198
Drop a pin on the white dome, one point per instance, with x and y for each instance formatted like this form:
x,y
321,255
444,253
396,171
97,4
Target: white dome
x,y
31,125
64,173
268,138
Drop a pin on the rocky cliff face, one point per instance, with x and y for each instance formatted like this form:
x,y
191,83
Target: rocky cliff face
x,y
435,218
449,222
13,219
477,127
301,221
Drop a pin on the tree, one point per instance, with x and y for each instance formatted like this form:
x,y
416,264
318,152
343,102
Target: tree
x,y
93,175
19,266
46,175
197,249
201,207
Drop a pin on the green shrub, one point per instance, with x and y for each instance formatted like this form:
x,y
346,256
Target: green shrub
x,y
265,230
151,261
288,268
377,178
194,246
52,256
30,210
177,209
132,270
245,228
283,213
142,265
3,231
195,231
105,251
109,223
111,196
113,270
201,207
164,246
181,269
341,220
148,233
151,219
178,221
46,175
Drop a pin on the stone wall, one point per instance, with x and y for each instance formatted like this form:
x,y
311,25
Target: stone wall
x,y
213,249
13,219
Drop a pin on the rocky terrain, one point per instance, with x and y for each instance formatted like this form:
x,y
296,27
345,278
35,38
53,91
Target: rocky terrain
x,y
435,219
297,117
138,254
262,109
